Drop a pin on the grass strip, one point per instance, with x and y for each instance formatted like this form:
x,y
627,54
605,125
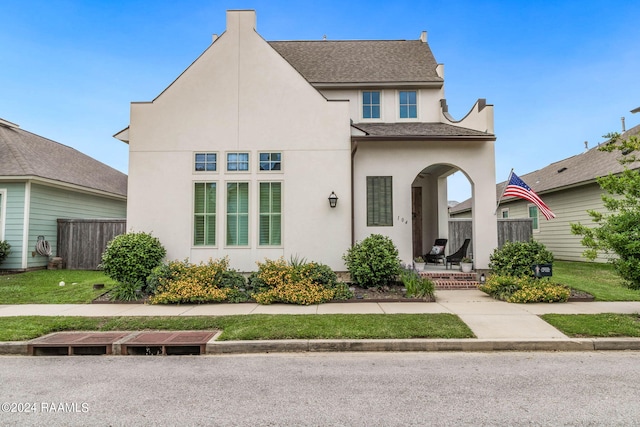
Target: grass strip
x,y
43,287
253,327
595,325
598,279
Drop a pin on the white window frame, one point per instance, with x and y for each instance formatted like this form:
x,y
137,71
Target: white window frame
x,y
215,215
195,153
226,162
259,162
536,219
226,212
270,214
408,119
380,105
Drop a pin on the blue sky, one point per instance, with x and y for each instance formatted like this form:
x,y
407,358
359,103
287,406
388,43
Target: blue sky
x,y
557,72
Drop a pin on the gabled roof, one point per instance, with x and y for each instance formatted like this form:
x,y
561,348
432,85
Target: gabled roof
x,y
24,154
361,61
577,170
418,130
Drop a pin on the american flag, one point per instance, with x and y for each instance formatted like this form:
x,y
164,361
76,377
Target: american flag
x,y
518,188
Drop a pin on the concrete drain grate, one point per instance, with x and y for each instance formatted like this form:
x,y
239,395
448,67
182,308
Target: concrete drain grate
x,y
75,343
125,343
167,343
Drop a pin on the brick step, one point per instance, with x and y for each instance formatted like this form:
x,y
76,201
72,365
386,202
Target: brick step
x,y
452,279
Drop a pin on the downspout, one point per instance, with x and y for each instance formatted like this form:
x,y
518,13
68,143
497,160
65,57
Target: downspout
x,y
354,149
25,224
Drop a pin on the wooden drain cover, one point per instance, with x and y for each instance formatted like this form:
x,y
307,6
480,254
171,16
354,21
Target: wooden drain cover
x,y
75,343
167,343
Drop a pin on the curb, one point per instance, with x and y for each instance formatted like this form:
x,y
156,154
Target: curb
x,y
213,347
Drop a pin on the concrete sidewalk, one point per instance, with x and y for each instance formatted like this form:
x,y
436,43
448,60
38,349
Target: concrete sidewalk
x,y
496,324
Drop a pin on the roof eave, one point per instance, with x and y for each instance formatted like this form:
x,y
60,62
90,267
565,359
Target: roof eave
x,y
360,138
62,184
343,85
123,135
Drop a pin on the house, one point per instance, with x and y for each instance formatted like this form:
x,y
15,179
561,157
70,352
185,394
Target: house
x,y
42,181
240,154
570,189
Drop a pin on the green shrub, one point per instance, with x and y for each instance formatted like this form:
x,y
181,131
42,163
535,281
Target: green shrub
x,y
502,286
129,258
516,258
5,250
373,262
183,282
126,291
295,282
416,285
525,289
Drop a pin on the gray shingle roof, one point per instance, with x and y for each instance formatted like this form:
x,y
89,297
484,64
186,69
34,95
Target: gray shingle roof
x,y
360,61
417,129
23,153
576,170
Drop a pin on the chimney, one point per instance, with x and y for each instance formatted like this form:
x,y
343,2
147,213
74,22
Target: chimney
x,y
423,37
623,127
586,146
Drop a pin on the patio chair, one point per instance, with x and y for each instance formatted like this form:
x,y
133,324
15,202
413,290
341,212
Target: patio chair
x,y
437,252
457,256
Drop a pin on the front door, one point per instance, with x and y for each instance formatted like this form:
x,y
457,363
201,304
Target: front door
x,y
416,220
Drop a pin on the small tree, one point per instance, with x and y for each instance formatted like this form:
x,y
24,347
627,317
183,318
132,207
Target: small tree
x,y
617,232
129,258
373,262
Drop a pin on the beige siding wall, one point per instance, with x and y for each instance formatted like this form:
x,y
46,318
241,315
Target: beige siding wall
x,y
570,206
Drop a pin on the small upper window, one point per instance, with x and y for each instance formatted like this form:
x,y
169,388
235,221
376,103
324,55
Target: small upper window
x,y
270,161
237,162
408,104
371,105
533,214
206,162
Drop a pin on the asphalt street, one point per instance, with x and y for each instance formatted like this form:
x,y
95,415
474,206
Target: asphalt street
x,y
355,389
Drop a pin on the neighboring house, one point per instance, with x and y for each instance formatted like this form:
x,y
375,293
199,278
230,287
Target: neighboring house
x,y
239,155
570,189
41,181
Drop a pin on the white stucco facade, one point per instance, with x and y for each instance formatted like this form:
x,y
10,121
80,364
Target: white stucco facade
x,y
242,96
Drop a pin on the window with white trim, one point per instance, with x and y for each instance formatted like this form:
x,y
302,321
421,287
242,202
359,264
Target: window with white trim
x,y
270,227
204,213
271,161
379,201
371,104
237,214
533,214
206,162
408,104
237,162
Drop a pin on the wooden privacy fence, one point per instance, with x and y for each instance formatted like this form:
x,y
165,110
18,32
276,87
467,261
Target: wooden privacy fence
x,y
509,230
82,241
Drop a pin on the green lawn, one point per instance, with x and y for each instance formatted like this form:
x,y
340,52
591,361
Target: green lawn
x,y
596,278
595,325
43,287
253,327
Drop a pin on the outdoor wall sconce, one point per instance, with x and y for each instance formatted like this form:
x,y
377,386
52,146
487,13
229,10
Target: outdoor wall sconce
x,y
333,200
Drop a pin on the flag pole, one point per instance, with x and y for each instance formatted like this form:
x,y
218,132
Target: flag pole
x,y
503,189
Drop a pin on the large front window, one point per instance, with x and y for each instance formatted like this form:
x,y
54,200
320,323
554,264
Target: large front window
x,y
270,214
408,104
204,214
379,201
237,213
370,105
